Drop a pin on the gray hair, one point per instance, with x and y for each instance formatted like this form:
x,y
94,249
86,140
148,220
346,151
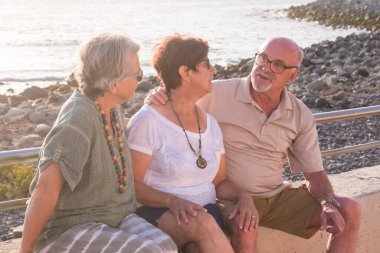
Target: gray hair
x,y
103,62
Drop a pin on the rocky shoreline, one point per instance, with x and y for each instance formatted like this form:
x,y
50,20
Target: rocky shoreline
x,y
336,75
362,14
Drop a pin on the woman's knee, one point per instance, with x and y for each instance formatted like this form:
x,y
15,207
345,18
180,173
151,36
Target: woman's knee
x,y
202,225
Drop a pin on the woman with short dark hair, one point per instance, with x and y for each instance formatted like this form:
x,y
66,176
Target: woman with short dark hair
x,y
177,150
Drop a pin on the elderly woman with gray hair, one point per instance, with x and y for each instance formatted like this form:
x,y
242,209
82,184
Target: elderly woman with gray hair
x,y
83,197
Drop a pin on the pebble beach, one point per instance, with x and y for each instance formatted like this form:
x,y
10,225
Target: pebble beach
x,y
339,74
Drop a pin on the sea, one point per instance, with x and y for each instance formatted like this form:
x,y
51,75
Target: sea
x,y
40,39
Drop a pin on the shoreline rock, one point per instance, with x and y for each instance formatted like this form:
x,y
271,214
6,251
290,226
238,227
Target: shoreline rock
x,y
361,14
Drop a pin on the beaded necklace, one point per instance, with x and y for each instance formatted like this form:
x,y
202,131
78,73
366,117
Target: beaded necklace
x,y
121,171
201,162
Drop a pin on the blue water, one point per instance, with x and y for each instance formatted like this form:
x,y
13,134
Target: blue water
x,y
40,39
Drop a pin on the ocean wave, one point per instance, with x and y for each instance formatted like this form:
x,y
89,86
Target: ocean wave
x,y
45,43
34,79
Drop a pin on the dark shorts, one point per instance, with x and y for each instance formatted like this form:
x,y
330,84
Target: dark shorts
x,y
152,214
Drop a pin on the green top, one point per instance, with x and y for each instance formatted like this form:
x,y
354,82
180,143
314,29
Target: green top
x,y
90,192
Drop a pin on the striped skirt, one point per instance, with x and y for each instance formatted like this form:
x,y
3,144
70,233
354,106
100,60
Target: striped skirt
x,y
133,235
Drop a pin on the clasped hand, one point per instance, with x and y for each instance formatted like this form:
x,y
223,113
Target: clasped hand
x,y
332,220
182,208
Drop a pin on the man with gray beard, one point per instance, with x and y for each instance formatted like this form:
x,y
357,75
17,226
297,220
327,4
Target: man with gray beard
x,y
262,125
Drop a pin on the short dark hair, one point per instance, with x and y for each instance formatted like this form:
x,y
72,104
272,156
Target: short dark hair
x,y
176,51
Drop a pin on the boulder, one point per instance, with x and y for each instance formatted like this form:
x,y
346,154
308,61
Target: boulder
x,y
3,99
329,91
42,130
316,85
27,141
339,96
25,105
4,108
55,98
36,117
14,114
362,72
144,86
16,100
322,103
34,92
64,89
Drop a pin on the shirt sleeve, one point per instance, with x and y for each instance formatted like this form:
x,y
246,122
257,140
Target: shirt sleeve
x,y
69,146
140,133
304,154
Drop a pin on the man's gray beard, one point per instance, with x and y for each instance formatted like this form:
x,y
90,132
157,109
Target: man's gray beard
x,y
260,88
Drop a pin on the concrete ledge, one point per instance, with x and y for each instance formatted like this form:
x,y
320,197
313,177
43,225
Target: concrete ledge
x,y
11,246
362,184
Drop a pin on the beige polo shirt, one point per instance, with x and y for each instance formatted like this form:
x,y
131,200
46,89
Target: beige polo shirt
x,y
256,146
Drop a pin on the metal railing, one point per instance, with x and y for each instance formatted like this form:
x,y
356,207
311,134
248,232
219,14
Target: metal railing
x,y
327,117
31,154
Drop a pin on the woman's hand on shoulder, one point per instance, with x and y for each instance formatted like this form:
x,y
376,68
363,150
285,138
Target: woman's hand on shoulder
x,y
156,96
181,208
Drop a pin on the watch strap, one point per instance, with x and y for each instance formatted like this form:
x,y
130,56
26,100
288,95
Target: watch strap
x,y
331,201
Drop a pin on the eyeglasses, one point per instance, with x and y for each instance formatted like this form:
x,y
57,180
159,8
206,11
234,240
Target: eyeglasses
x,y
276,66
207,61
139,76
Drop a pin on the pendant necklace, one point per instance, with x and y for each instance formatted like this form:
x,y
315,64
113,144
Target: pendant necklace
x,y
201,162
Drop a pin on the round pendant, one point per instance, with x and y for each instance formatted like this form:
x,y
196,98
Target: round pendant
x,y
201,162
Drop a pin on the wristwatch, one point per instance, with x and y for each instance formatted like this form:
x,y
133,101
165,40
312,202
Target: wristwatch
x,y
331,201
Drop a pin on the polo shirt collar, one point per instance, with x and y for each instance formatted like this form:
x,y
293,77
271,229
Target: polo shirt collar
x,y
243,94
286,100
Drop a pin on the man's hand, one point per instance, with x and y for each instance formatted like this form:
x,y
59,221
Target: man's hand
x,y
156,96
331,219
180,208
248,215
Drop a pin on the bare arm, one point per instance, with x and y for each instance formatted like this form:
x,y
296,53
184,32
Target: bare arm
x,y
145,194
225,189
320,188
319,185
221,175
154,198
41,206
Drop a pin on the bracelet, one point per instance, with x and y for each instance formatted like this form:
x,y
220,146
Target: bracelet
x,y
331,201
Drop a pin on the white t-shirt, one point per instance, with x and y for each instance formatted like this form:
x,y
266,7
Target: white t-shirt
x,y
173,167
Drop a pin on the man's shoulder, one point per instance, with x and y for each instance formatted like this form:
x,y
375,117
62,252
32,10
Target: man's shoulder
x,y
228,82
227,85
297,103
